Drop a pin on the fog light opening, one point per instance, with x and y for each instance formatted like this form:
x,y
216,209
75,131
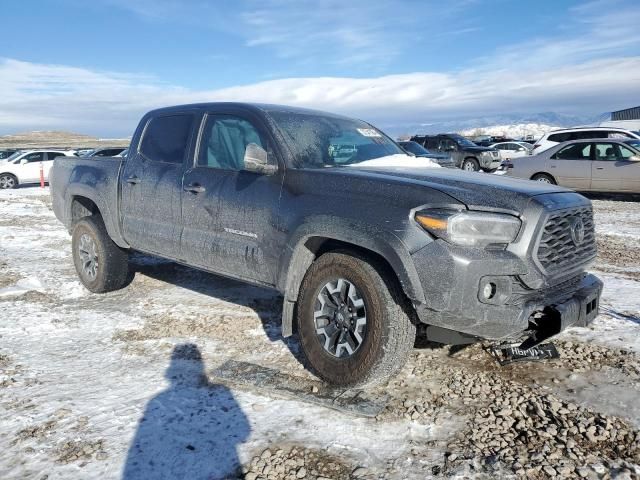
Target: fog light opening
x,y
489,290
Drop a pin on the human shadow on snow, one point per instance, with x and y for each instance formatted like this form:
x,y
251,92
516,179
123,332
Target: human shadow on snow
x,y
190,430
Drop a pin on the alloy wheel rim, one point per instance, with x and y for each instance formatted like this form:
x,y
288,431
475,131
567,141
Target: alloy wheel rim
x,y
6,181
469,166
543,180
88,256
340,318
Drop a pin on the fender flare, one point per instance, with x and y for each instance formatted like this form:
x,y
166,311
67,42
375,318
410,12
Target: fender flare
x,y
302,246
110,221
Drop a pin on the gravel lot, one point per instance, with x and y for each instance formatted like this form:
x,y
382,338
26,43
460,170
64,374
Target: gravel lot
x,y
120,385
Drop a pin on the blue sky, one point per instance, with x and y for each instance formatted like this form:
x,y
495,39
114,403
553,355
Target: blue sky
x,y
95,66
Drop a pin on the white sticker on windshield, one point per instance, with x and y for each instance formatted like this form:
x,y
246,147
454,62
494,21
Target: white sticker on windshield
x,y
368,132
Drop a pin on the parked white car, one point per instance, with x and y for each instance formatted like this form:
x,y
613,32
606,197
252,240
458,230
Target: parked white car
x,y
554,137
510,150
23,167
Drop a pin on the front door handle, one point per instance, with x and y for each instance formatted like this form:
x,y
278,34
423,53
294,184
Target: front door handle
x,y
133,180
599,168
195,188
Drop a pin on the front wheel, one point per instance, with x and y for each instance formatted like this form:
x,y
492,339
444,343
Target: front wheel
x,y
470,165
101,265
353,321
8,181
544,178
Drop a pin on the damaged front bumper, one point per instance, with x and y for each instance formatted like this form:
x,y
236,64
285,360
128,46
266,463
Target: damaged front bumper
x,y
453,282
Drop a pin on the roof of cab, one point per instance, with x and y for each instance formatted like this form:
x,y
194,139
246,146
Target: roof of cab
x,y
256,107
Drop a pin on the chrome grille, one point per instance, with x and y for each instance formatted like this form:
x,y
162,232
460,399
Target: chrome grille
x,y
557,251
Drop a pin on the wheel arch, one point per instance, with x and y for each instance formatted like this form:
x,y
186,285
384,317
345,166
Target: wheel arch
x,y
391,255
82,201
546,174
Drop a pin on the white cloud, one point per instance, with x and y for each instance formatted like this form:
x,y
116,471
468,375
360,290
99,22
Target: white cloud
x,y
38,96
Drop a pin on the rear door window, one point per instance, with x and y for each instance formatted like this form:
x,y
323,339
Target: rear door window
x,y
575,151
52,155
166,138
34,157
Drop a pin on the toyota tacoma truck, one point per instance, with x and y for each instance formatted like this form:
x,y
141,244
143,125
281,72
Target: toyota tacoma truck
x,y
365,244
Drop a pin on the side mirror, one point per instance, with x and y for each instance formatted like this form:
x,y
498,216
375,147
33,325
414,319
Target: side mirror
x,y
255,160
23,161
635,158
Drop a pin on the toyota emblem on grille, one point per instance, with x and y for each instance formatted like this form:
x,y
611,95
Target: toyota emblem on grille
x,y
577,231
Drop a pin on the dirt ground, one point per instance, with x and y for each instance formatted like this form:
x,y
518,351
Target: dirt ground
x,y
121,385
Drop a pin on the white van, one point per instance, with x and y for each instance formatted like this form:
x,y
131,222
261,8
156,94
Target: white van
x,y
555,137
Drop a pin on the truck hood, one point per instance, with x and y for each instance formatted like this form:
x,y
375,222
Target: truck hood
x,y
476,190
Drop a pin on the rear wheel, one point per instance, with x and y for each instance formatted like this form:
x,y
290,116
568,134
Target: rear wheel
x,y
544,178
8,181
470,165
101,265
352,320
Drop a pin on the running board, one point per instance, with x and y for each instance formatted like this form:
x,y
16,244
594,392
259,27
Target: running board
x,y
271,381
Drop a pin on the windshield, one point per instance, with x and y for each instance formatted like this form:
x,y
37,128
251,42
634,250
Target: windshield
x,y
414,148
634,143
318,141
462,141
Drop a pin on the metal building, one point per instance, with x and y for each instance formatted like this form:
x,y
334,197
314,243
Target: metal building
x,y
626,114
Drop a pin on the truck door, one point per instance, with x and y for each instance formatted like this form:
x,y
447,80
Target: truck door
x,y
231,213
152,185
571,166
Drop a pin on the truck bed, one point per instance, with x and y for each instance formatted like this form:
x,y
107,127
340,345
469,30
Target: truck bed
x,y
95,178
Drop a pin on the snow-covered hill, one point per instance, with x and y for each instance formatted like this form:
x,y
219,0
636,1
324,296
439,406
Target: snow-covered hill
x,y
518,130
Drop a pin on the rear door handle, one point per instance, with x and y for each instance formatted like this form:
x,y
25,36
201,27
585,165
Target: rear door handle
x,y
133,180
195,188
599,168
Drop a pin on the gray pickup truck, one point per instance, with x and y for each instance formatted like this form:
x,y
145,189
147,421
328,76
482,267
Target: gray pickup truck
x,y
365,243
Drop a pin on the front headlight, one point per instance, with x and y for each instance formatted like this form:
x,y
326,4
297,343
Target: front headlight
x,y
468,228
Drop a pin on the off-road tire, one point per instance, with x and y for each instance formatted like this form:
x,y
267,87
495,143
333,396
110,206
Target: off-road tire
x,y
543,177
112,261
390,333
470,162
7,180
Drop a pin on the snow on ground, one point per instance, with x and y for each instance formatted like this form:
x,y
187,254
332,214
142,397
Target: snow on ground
x,y
120,385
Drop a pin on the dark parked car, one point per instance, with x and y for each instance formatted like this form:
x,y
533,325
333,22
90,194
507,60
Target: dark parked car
x,y
105,152
361,250
4,154
489,140
465,154
419,151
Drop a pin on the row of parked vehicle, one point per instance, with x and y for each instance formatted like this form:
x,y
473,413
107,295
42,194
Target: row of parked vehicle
x,y
599,159
22,166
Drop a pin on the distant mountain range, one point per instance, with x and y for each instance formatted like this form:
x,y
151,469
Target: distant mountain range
x,y
519,122
58,139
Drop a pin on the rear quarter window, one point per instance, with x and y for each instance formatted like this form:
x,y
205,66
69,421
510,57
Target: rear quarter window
x,y
558,137
166,138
